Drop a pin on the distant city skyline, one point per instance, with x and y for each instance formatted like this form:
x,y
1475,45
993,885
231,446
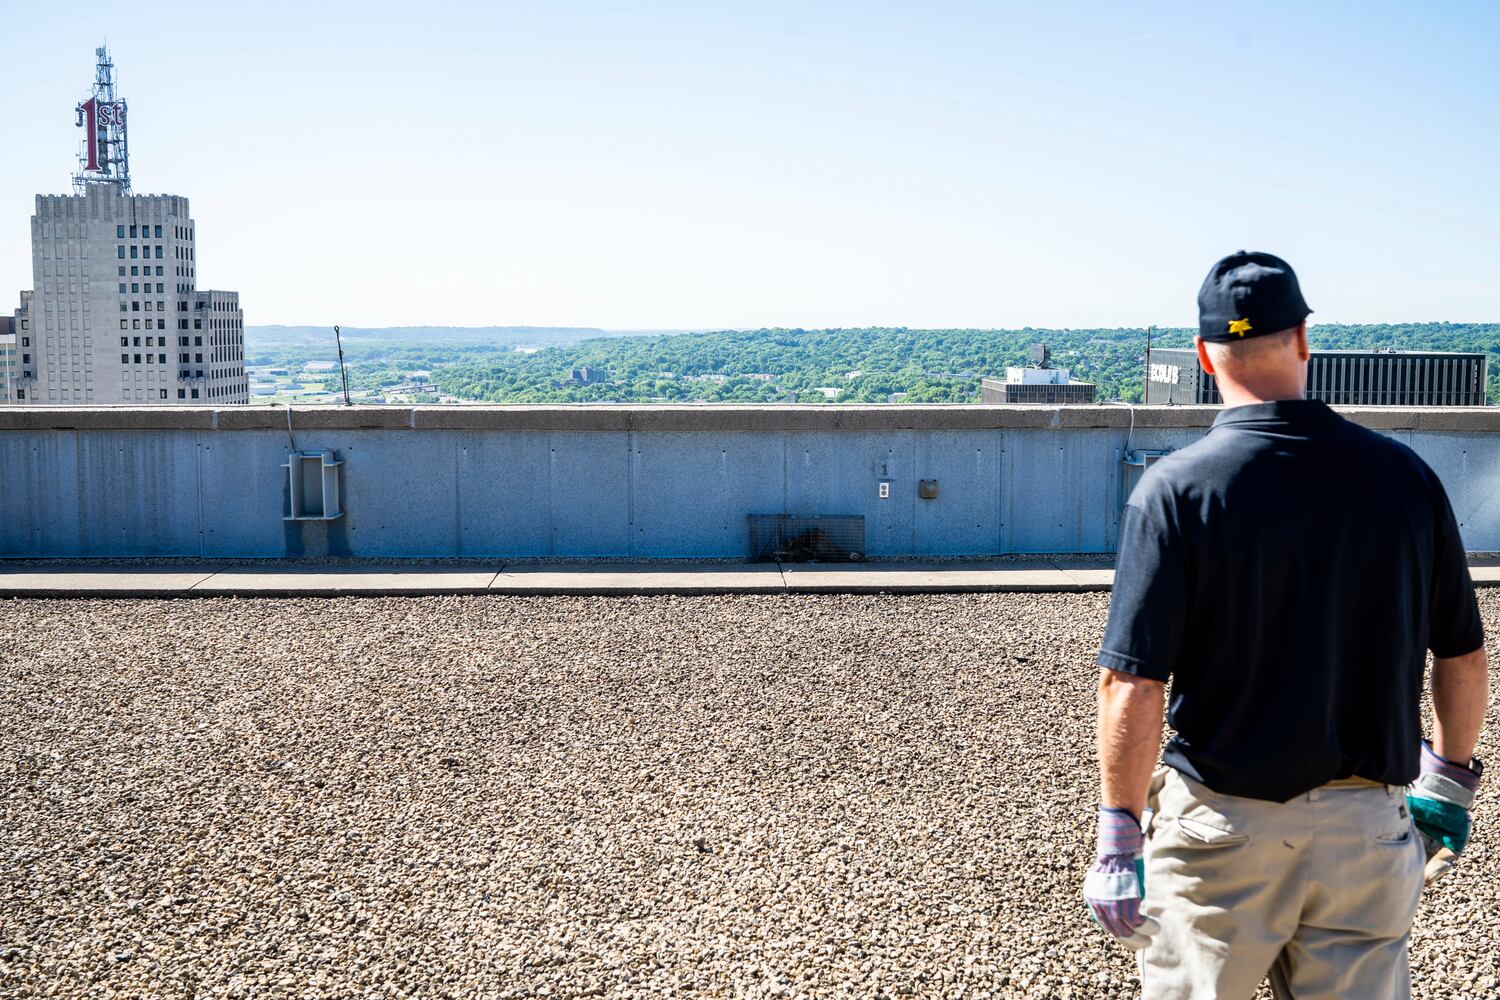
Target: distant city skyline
x,y
699,166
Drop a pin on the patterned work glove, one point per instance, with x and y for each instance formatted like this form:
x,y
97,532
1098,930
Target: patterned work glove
x,y
1440,800
1114,887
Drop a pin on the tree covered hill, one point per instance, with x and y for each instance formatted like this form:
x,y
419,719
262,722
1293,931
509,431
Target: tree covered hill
x,y
869,365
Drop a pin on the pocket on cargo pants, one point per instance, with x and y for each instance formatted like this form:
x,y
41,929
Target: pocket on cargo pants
x,y
1220,883
1366,880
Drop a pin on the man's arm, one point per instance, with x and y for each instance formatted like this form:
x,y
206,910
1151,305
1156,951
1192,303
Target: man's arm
x,y
1130,724
1460,695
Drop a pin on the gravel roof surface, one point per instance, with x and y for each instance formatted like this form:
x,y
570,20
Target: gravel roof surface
x,y
495,797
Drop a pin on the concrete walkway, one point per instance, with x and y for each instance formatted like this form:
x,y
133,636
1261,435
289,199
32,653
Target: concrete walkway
x,y
405,579
270,580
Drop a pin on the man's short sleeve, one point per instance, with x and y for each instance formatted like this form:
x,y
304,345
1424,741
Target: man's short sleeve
x,y
1150,604
1454,627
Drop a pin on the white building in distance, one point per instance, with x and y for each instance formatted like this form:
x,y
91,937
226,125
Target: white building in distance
x,y
115,314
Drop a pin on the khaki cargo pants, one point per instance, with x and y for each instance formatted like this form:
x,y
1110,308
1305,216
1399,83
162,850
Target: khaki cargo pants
x,y
1318,893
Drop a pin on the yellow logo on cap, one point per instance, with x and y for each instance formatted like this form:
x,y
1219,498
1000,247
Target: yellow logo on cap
x,y
1239,326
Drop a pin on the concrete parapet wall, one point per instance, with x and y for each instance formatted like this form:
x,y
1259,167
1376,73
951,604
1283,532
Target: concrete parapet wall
x,y
626,481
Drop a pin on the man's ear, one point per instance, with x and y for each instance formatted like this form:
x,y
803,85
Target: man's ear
x,y
1303,353
1202,347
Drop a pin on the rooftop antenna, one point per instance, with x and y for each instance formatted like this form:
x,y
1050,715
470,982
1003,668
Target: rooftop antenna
x,y
104,154
343,373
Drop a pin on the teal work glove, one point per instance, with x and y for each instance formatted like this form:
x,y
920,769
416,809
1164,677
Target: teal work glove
x,y
1440,800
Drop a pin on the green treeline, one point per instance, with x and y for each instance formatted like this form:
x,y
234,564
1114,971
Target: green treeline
x,y
865,365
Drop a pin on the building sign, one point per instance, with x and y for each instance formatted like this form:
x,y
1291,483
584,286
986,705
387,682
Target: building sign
x,y
1165,373
97,117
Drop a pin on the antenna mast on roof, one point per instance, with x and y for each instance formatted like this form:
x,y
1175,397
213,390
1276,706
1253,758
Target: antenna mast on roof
x,y
104,154
343,372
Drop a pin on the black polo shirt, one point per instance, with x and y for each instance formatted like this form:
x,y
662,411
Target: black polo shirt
x,y
1287,572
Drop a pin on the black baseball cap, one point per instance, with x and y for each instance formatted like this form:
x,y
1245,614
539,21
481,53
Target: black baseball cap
x,y
1248,294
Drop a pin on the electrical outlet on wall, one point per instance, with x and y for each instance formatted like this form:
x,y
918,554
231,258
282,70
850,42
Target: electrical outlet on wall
x,y
885,489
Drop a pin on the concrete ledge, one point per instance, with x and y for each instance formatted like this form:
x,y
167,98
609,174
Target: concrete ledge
x,y
651,578
577,579
249,418
111,418
935,578
716,418
103,581
359,581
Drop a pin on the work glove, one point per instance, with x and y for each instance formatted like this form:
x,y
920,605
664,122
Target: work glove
x,y
1440,800
1114,887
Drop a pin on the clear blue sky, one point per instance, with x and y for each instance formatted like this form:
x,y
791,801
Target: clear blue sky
x,y
702,164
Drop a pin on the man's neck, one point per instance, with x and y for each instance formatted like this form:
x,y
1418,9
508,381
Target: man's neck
x,y
1238,395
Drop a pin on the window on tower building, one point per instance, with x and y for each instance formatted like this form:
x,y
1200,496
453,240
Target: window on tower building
x,y
132,232
124,341
122,270
135,286
124,359
158,232
137,359
195,393
120,251
181,393
135,307
133,252
123,326
122,288
119,232
158,251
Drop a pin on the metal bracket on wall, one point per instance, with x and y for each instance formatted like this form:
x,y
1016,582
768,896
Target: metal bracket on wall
x,y
312,486
1140,459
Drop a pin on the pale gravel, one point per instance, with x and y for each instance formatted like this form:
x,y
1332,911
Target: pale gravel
x,y
828,796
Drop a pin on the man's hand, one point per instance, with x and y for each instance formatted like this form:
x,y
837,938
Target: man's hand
x,y
1130,720
1443,793
1440,801
1114,887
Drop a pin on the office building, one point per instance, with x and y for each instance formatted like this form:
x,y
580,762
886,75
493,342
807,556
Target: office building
x,y
1350,378
9,357
115,314
1038,383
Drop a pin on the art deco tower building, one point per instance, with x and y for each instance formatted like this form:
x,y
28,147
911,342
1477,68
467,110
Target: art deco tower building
x,y
115,314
